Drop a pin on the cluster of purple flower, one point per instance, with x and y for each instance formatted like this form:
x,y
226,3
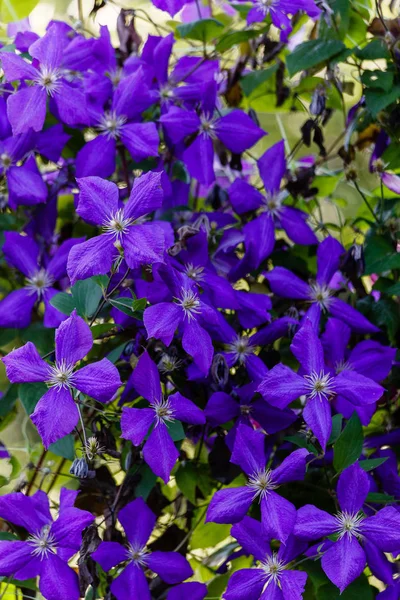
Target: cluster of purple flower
x,y
199,299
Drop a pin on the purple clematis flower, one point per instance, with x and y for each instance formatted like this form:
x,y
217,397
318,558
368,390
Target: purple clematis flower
x,y
272,579
259,234
278,514
22,252
159,450
279,10
319,293
27,107
99,204
56,413
192,589
281,386
235,130
368,358
345,560
50,544
138,522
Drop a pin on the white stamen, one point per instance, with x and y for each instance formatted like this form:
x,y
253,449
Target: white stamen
x,y
349,524
48,79
261,483
190,303
169,363
164,411
321,294
111,124
319,385
273,567
195,273
138,555
273,203
43,543
61,376
207,126
343,365
117,225
39,282
6,161
265,6
240,348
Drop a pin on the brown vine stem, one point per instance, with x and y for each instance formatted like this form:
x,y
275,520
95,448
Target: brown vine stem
x,y
36,471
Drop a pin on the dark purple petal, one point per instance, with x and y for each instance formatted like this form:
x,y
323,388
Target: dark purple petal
x,y
196,341
109,554
16,308
307,348
96,158
185,410
55,415
132,583
49,49
358,389
15,67
146,379
244,197
73,340
199,158
146,195
229,505
27,109
221,408
135,423
246,583
30,512
344,562
272,332
100,380
21,252
237,131
98,200
249,452
52,317
378,563
248,534
170,566
328,259
15,556
317,415
192,589
292,468
286,284
141,139
293,584
372,359
259,240
313,523
71,105
161,321
179,123
143,245
94,257
294,222
281,386
138,522
383,528
270,418
160,452
25,185
354,319
272,167
24,365
352,489
57,267
67,529
278,516
57,580
335,340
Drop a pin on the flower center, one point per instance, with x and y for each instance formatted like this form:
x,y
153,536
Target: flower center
x,y
5,160
117,225
245,409
43,543
39,282
195,273
207,126
273,203
111,124
49,80
321,294
169,363
319,385
349,524
61,375
190,303
273,567
166,93
138,555
240,348
265,5
164,411
261,483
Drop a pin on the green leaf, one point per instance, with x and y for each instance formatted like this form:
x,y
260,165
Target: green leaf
x,y
376,101
3,481
125,305
372,463
386,315
30,394
336,428
203,30
302,442
236,38
313,53
185,478
8,400
15,10
378,79
114,355
349,444
359,588
372,51
63,302
380,255
146,484
86,295
376,498
251,82
208,535
393,290
5,535
64,447
176,430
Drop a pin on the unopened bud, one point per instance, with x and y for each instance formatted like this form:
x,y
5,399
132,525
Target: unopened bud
x,y
80,468
220,370
351,174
